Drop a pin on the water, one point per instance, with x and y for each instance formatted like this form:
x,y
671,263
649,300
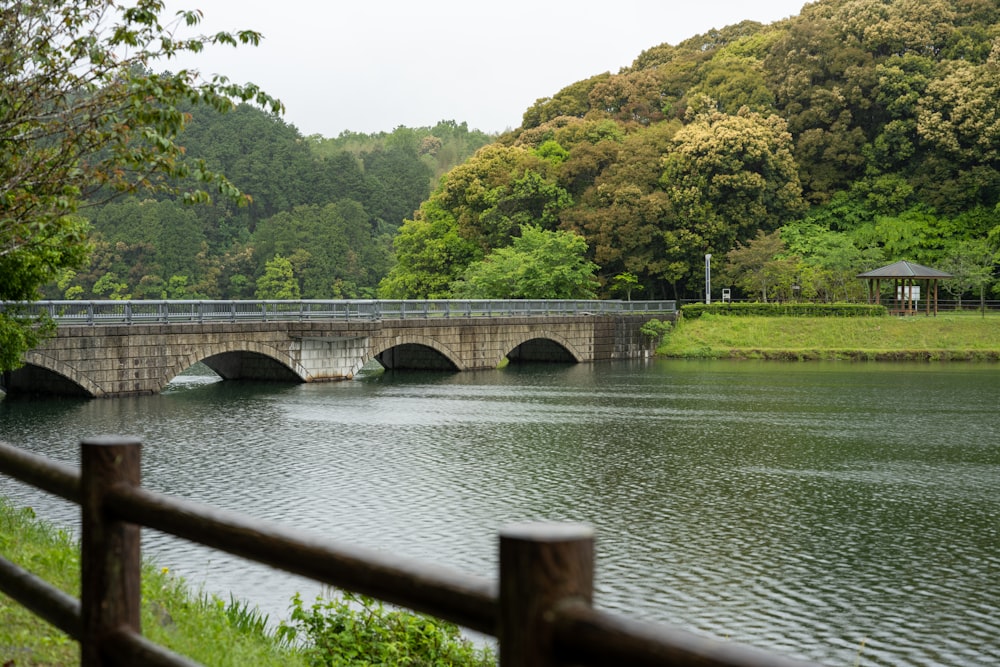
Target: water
x,y
819,510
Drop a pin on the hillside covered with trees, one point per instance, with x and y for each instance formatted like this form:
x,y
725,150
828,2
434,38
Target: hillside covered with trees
x,y
799,153
319,224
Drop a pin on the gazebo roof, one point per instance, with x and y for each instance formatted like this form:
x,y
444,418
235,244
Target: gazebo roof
x,y
905,269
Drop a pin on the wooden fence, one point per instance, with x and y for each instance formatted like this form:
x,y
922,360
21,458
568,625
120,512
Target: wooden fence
x,y
540,611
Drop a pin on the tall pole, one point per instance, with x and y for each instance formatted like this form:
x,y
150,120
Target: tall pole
x,y
708,278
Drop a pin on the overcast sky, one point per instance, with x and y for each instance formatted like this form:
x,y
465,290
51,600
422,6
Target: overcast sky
x,y
373,66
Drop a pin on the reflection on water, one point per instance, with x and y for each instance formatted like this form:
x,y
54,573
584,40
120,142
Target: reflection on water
x,y
805,508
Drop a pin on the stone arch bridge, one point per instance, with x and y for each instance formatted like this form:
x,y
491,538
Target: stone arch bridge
x,y
116,348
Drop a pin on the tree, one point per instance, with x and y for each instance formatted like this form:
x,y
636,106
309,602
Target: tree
x,y
327,245
111,286
278,281
625,282
916,234
971,263
430,255
755,267
498,190
82,116
623,211
727,178
398,181
171,230
830,261
538,265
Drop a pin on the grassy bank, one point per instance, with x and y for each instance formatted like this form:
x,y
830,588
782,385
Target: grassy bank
x,y
201,627
343,630
951,336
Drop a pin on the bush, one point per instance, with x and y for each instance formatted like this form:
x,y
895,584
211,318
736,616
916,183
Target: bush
x,y
357,630
656,329
696,310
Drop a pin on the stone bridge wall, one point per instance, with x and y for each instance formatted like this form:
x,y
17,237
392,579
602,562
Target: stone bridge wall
x,y
121,360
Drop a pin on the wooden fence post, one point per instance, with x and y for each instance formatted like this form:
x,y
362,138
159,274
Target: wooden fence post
x,y
110,563
541,565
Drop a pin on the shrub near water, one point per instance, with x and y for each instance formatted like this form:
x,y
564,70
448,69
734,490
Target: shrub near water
x,y
656,329
355,630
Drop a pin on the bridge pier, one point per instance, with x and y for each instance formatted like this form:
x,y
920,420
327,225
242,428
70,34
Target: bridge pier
x,y
331,358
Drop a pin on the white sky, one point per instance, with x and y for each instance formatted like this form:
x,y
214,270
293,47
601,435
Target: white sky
x,y
371,66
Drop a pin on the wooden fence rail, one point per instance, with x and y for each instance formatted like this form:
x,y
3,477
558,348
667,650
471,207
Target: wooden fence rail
x,y
540,611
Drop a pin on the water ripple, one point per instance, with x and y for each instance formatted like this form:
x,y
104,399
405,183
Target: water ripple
x,y
799,508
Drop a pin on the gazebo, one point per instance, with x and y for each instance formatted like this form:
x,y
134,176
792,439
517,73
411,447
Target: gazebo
x,y
906,277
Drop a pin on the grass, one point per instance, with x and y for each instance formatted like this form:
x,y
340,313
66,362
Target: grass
x,y
949,336
201,627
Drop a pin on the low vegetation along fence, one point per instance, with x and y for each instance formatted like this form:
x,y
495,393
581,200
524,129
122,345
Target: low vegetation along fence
x,y
162,312
540,609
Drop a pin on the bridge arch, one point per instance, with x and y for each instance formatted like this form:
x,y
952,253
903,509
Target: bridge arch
x,y
42,373
416,352
542,347
246,360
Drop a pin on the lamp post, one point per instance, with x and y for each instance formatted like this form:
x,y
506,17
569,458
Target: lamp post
x,y
708,278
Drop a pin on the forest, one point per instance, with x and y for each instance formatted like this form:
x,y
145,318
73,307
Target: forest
x,y
798,154
319,224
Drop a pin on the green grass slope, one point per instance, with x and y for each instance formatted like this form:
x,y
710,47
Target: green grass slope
x,y
952,336
201,627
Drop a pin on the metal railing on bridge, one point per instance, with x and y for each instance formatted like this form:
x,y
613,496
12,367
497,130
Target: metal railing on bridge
x,y
177,311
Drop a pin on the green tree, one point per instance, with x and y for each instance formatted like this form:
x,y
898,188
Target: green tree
x,y
624,212
830,261
112,287
539,264
736,80
177,288
916,234
573,100
625,282
81,115
727,178
264,156
498,190
971,263
397,180
756,266
430,255
172,231
327,245
278,281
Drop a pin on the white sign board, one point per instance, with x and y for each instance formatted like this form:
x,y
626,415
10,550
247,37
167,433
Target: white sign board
x,y
911,292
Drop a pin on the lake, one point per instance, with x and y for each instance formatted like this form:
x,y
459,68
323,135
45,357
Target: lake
x,y
847,513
